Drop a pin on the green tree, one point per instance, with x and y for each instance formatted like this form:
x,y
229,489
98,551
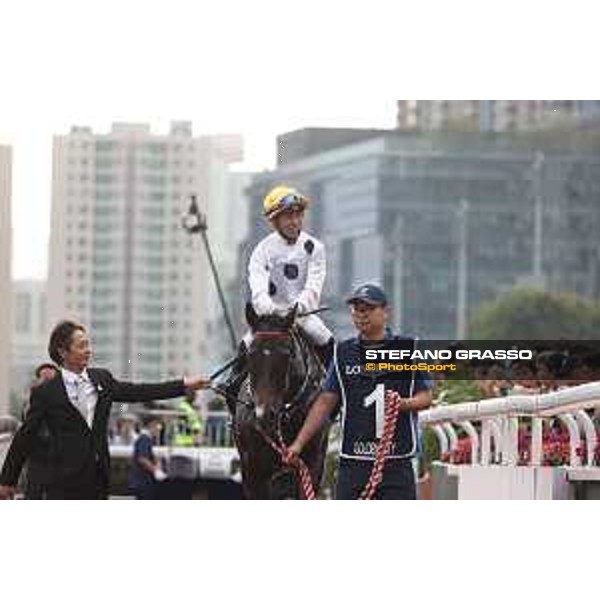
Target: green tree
x,y
531,313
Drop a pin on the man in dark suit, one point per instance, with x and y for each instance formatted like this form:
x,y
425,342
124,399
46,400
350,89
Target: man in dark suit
x,y
75,406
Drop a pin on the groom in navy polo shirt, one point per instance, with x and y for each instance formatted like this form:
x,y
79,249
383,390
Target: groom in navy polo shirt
x,y
361,397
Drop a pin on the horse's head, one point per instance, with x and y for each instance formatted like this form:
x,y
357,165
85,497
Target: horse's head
x,y
271,358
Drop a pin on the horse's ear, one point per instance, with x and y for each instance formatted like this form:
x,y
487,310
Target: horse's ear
x,y
291,316
251,316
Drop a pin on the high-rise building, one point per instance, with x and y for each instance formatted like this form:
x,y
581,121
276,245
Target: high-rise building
x,y
120,260
295,145
492,115
5,275
448,221
30,334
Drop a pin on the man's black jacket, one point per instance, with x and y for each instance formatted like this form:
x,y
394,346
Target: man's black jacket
x,y
79,461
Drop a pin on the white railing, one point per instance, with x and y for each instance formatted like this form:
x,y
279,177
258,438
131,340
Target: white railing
x,y
189,463
499,418
497,468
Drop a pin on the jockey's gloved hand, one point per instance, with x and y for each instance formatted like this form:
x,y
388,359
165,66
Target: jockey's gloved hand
x,y
281,311
307,302
302,308
263,305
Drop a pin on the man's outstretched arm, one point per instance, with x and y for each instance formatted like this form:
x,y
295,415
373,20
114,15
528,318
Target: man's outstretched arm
x,y
124,391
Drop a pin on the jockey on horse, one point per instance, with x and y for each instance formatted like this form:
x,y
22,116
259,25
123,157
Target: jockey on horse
x,y
286,268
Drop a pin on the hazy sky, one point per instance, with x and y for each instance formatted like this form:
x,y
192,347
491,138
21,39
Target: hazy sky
x,y
258,68
66,63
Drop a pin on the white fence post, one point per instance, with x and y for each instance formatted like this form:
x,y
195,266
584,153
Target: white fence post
x,y
452,437
486,441
441,437
591,439
537,434
472,433
574,438
495,427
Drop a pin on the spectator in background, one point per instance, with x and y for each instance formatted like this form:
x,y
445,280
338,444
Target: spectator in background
x,y
553,370
585,368
189,426
126,433
524,378
146,470
484,379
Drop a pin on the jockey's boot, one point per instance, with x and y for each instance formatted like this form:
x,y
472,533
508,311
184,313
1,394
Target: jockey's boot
x,y
325,352
230,388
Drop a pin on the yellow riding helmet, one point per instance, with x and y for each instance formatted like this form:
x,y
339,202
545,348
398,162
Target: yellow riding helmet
x,y
282,198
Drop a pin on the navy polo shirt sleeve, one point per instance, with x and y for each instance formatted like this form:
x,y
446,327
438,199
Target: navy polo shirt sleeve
x,y
422,381
331,380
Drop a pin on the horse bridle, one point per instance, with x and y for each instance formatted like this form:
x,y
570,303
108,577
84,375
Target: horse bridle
x,y
287,335
278,443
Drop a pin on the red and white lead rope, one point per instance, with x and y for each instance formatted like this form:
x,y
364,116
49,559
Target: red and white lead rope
x,y
308,490
393,403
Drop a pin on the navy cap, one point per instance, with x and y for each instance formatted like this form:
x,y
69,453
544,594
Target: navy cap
x,y
369,293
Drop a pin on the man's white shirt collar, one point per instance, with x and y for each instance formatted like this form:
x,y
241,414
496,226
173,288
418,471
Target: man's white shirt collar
x,y
71,377
81,392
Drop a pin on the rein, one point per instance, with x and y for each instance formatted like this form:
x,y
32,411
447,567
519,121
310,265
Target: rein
x,y
308,490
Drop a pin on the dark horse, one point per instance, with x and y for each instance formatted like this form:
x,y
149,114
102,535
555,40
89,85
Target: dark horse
x,y
284,375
